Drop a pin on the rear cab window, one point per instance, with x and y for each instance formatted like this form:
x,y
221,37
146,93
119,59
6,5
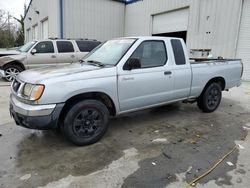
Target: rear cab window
x,y
65,47
87,46
179,54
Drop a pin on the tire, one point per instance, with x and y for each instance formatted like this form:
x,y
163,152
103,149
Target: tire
x,y
86,122
11,71
210,98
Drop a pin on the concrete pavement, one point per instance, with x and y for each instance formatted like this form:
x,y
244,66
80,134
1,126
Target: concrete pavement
x,y
162,147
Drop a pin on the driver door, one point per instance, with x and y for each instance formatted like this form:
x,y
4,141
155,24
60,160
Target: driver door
x,y
44,55
152,83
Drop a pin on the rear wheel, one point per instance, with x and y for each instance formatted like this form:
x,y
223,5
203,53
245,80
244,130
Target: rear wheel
x,y
11,71
86,122
210,98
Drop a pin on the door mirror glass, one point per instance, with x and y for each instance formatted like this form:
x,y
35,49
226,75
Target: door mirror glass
x,y
133,63
33,51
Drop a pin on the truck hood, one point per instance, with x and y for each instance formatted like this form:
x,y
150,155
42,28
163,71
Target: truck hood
x,y
9,52
52,72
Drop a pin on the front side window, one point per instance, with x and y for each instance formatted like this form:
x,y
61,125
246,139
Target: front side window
x,y
151,54
44,47
110,52
65,46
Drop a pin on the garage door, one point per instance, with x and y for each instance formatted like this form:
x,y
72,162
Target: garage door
x,y
35,32
243,48
45,29
171,21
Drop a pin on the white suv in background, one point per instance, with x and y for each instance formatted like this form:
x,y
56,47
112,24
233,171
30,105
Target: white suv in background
x,y
43,53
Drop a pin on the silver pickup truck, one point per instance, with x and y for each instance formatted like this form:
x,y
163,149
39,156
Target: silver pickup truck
x,y
119,76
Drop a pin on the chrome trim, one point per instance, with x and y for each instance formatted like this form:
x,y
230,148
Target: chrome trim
x,y
2,74
20,89
31,110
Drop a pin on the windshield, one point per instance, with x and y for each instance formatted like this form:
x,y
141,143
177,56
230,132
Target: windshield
x,y
27,46
110,52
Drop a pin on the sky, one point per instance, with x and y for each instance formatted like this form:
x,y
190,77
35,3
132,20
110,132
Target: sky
x,y
14,7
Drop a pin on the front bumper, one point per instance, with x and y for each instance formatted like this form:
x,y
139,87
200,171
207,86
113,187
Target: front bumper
x,y
2,74
41,117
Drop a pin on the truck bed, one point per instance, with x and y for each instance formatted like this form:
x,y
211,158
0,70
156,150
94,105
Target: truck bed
x,y
204,70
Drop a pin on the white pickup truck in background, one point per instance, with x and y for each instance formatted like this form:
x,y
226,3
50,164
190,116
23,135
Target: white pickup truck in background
x,y
43,53
119,76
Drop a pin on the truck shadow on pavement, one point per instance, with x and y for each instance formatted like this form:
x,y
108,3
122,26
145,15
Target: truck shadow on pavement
x,y
188,140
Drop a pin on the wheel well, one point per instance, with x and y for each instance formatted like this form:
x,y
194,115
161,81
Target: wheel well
x,y
15,63
220,80
102,97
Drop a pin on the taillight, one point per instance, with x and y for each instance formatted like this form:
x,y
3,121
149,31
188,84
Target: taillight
x,y
242,69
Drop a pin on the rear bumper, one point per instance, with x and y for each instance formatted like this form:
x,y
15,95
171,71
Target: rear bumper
x,y
41,117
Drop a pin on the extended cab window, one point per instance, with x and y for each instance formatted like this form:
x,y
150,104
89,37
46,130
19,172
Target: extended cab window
x,y
44,47
87,46
64,46
178,52
151,54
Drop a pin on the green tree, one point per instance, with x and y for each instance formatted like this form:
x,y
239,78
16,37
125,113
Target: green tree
x,y
20,33
7,40
10,35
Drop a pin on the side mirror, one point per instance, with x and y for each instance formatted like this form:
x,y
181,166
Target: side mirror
x,y
133,63
33,51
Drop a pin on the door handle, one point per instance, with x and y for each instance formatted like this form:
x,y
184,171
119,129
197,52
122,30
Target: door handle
x,y
167,73
72,56
53,56
127,78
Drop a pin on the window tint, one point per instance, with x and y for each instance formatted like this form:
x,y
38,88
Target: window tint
x,y
44,47
151,54
178,52
64,46
87,46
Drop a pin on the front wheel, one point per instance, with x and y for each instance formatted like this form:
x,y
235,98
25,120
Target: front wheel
x,y
210,98
11,71
86,122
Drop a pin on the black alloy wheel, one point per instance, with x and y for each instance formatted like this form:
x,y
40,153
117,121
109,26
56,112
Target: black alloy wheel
x,y
210,98
86,122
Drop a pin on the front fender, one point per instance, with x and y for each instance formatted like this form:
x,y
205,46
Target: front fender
x,y
8,59
60,93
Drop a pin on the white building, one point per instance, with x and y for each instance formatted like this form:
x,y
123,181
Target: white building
x,y
95,19
223,26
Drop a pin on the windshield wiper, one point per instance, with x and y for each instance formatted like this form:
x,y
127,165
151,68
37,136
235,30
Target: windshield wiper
x,y
96,63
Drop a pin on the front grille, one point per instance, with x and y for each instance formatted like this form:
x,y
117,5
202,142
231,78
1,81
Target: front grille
x,y
16,85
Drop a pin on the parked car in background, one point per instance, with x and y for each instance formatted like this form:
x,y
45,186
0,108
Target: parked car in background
x,y
43,53
119,76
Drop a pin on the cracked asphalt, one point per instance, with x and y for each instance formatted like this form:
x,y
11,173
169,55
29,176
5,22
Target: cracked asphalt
x,y
161,147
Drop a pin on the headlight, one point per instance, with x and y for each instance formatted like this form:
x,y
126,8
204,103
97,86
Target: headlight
x,y
33,92
27,89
